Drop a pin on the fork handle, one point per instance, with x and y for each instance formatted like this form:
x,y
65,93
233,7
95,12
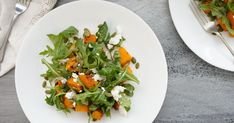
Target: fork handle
x,y
225,43
4,37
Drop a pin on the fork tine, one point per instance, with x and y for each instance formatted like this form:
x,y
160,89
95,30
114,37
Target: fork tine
x,y
201,22
25,2
28,2
203,15
197,12
202,12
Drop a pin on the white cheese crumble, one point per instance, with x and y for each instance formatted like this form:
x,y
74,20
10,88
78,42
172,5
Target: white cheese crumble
x,y
97,54
75,80
81,74
64,81
74,104
94,70
116,92
122,110
103,89
70,94
90,46
115,40
74,75
63,61
109,46
97,77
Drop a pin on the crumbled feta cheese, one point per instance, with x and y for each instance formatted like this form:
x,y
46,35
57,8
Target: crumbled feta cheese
x,y
90,46
75,80
78,65
103,89
94,70
122,110
70,94
115,40
116,92
81,74
74,75
107,53
109,46
97,77
64,81
74,104
63,61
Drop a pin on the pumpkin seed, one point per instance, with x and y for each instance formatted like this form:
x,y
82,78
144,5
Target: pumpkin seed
x,y
137,65
86,32
44,84
47,91
133,60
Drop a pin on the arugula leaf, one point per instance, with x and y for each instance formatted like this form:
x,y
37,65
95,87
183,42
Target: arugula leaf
x,y
230,6
51,68
102,33
129,89
49,100
217,9
125,102
227,24
69,32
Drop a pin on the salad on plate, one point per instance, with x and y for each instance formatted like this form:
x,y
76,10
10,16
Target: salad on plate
x,y
221,11
89,73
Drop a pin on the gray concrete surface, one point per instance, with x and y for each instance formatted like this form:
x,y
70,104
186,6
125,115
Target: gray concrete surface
x,y
197,91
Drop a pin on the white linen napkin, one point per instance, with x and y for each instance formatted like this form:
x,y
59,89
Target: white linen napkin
x,y
36,10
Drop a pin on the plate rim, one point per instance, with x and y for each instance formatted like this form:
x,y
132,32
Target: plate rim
x,y
157,42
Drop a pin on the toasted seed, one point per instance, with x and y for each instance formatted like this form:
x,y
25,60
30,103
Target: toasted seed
x,y
44,84
137,65
133,60
46,78
86,32
114,34
47,91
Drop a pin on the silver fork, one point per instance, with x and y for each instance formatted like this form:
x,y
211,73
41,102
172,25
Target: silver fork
x,y
208,25
20,7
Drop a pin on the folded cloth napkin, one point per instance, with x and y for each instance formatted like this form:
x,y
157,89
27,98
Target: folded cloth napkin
x,y
36,10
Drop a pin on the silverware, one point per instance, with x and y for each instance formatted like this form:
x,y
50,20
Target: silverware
x,y
20,7
208,25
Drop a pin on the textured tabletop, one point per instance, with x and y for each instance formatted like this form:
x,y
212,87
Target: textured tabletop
x,y
197,91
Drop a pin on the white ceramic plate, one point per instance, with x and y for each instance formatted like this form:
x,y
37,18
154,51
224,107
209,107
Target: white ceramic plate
x,y
141,43
206,46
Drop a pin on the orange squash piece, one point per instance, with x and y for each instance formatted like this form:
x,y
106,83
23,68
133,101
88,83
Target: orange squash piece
x,y
67,103
90,38
223,26
81,108
125,57
88,81
71,64
97,115
230,18
75,85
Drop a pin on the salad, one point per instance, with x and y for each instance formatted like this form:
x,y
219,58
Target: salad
x,y
90,73
222,11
